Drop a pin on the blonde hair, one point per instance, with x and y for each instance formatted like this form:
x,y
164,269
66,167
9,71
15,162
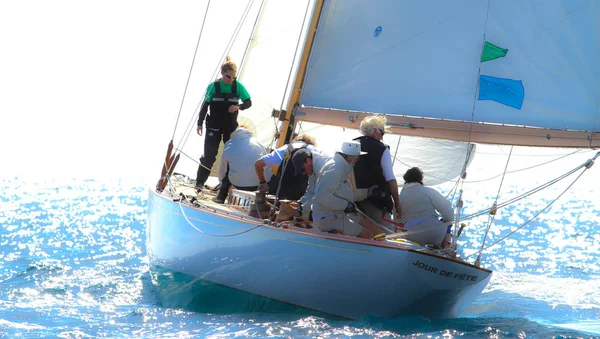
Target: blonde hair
x,y
228,65
307,139
246,127
369,124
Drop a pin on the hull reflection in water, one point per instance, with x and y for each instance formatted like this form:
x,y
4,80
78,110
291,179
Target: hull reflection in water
x,y
179,290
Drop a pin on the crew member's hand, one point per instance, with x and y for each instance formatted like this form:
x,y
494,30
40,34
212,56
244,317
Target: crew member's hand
x,y
199,130
264,187
397,212
233,108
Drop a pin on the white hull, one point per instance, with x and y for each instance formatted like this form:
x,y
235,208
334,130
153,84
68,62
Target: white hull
x,y
338,275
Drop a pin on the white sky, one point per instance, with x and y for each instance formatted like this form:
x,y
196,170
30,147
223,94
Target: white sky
x,y
91,89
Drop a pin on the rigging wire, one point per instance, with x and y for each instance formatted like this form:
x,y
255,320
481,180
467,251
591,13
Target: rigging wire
x,y
493,209
190,126
535,216
226,52
461,178
295,53
396,152
528,193
287,83
247,50
190,72
522,169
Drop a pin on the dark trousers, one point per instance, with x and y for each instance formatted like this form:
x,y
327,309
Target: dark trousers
x,y
226,184
212,139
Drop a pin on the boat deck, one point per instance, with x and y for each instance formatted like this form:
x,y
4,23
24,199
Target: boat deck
x,y
240,203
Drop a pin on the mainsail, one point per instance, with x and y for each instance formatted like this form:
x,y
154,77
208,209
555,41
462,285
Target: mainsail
x,y
420,63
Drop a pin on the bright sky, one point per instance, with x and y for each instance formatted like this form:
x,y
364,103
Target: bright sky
x,y
92,89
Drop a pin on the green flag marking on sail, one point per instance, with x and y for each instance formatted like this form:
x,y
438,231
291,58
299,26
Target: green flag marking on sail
x,y
491,52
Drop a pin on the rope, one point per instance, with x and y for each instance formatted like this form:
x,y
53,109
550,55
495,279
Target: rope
x,y
204,206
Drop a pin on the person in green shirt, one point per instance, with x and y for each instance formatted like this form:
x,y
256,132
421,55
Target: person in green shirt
x,y
223,98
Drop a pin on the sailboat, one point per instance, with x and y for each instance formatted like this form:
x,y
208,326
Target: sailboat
x,y
453,73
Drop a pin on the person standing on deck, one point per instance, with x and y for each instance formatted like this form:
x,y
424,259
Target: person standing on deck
x,y
332,205
375,168
223,97
420,207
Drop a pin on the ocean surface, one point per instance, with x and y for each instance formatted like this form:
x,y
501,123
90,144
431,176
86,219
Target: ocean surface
x,y
73,264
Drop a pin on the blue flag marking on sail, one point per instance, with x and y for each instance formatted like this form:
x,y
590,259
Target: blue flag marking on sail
x,y
377,31
505,91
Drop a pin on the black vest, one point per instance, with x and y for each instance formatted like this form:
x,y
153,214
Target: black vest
x,y
368,171
219,116
292,186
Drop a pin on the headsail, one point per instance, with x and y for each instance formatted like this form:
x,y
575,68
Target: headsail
x,y
420,63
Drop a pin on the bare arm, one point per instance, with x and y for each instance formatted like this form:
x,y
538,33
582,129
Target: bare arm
x,y
394,191
259,167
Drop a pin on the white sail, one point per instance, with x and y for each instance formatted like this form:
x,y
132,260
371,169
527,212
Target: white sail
x,y
266,68
441,160
423,59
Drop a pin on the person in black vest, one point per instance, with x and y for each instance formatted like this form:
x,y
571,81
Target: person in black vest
x,y
375,168
223,97
292,186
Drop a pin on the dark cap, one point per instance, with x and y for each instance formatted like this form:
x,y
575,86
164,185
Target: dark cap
x,y
298,159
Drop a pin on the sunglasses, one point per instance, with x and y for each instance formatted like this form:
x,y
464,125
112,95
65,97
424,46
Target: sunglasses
x,y
230,76
381,131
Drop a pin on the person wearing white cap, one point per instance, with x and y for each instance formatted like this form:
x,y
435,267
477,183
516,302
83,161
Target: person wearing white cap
x,y
334,196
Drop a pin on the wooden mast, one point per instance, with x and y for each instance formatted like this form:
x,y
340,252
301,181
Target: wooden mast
x,y
287,129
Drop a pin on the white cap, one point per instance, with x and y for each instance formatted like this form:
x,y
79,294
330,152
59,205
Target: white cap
x,y
351,148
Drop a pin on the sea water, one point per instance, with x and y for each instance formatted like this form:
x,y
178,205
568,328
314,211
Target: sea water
x,y
73,264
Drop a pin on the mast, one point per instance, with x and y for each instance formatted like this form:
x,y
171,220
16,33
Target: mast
x,y
289,123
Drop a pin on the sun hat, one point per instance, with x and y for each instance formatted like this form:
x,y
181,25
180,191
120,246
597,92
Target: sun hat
x,y
351,148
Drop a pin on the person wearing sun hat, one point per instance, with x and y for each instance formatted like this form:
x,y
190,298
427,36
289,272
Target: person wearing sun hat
x,y
334,196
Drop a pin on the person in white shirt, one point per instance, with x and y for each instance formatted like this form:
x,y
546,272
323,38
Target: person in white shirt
x,y
420,206
236,168
333,201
